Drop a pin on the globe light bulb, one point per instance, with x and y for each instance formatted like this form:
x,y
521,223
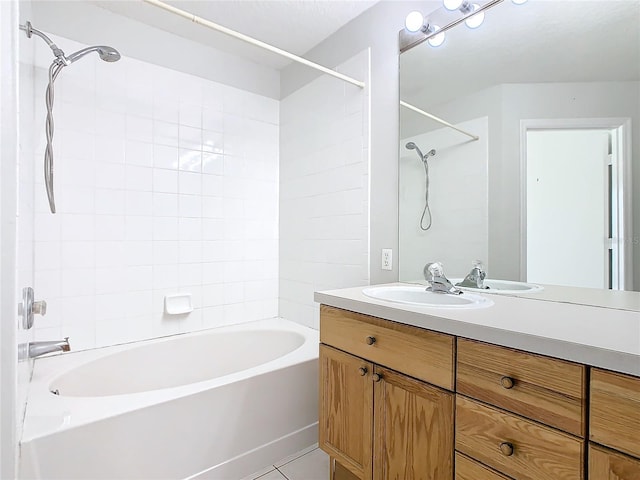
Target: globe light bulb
x,y
475,20
437,39
519,2
414,21
452,4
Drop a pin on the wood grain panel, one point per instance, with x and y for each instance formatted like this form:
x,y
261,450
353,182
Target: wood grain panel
x,y
419,353
546,389
615,411
539,452
341,473
413,429
605,464
346,410
468,469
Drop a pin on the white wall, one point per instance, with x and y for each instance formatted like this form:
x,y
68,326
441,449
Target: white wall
x,y
377,29
324,190
9,151
25,230
458,199
94,25
165,183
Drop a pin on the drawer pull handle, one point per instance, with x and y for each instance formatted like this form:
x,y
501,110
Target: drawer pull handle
x,y
370,340
362,371
506,448
376,377
507,382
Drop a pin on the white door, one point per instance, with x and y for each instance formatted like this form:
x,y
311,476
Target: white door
x,y
567,207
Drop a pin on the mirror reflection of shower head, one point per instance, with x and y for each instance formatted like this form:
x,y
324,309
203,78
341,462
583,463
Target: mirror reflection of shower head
x,y
413,146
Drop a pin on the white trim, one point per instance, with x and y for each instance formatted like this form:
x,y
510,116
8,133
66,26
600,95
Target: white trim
x,y
624,179
246,38
8,201
438,119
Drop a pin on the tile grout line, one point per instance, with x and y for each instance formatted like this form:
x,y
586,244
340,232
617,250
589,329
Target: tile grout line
x,y
280,472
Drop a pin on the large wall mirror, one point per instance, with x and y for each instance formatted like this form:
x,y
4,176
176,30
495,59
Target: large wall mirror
x,y
549,192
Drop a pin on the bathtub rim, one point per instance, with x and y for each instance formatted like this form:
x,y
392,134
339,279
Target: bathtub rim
x,y
47,414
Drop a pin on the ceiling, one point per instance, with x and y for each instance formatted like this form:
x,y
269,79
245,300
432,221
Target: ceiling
x,y
540,41
293,25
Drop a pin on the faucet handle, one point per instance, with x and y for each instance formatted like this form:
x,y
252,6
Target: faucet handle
x,y
433,270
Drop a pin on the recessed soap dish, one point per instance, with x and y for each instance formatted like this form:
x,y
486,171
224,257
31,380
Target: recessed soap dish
x,y
178,304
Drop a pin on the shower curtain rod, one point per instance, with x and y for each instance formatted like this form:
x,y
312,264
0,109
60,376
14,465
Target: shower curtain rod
x,y
245,38
438,119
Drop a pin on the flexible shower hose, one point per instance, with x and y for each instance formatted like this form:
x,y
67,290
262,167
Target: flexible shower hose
x,y
54,70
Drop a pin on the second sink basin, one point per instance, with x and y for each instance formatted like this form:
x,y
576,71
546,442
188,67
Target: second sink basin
x,y
418,295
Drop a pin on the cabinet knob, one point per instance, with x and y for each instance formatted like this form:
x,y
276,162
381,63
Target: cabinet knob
x,y
370,340
507,382
376,377
362,371
506,448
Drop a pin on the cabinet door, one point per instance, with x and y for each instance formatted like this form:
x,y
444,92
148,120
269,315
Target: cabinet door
x,y
606,464
346,410
413,429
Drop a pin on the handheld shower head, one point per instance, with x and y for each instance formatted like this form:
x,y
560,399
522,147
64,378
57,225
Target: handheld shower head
x,y
108,54
413,146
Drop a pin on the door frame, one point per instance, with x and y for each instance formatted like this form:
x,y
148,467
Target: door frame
x,y
622,180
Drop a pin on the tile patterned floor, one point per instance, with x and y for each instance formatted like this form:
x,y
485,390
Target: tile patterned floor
x,y
309,464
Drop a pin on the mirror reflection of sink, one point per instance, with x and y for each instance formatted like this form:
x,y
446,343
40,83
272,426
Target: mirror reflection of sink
x,y
418,295
502,286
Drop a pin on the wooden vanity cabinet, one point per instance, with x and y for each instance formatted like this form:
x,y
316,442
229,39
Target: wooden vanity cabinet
x,y
605,464
387,408
377,423
614,421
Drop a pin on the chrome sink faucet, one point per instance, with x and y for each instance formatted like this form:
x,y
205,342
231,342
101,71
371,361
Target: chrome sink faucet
x,y
37,349
438,283
475,278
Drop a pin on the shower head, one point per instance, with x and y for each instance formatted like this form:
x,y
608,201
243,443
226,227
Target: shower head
x,y
413,146
108,54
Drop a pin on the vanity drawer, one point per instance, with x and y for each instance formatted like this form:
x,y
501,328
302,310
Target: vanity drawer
x,y
606,464
615,411
545,389
468,469
420,353
516,446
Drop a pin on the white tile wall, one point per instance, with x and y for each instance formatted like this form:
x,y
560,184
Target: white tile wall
x,y
165,183
324,189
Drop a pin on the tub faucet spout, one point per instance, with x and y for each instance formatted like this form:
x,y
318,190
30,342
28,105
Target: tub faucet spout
x,y
438,283
37,349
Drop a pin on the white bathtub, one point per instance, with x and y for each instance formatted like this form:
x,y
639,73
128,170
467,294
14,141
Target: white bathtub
x,y
216,404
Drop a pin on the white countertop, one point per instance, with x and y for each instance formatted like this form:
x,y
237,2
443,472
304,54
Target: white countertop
x,y
602,337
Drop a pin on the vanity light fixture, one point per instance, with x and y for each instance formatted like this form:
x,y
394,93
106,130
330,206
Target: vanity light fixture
x,y
416,22
453,4
453,12
438,38
475,20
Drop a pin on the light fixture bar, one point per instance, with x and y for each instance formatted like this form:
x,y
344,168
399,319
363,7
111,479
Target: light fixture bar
x,y
245,38
438,119
409,40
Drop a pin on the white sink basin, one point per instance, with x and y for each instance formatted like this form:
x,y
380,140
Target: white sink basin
x,y
418,295
502,286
